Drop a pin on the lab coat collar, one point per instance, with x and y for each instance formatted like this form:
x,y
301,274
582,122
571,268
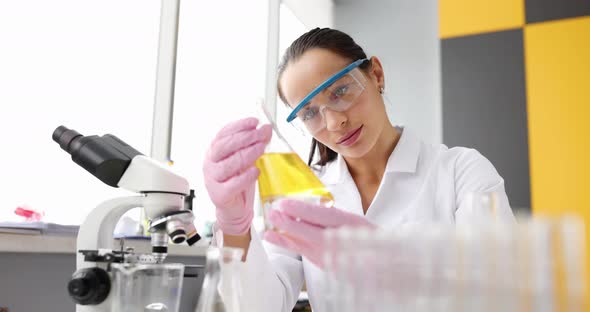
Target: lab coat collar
x,y
404,158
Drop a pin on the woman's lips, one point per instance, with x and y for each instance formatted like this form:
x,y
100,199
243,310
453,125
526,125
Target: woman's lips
x,y
351,137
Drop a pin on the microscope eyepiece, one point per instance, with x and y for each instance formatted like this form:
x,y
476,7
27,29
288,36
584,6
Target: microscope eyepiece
x,y
106,157
64,137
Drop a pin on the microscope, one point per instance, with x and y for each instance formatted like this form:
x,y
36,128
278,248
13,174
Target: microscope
x,y
163,194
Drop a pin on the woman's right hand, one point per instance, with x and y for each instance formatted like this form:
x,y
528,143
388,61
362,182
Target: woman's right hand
x,y
230,174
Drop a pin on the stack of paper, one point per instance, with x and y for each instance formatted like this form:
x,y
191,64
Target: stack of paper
x,y
37,228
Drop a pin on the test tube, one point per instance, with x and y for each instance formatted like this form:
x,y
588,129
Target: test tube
x,y
504,276
542,266
572,235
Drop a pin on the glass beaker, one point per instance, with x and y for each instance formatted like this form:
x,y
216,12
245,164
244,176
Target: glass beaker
x,y
146,287
283,174
221,288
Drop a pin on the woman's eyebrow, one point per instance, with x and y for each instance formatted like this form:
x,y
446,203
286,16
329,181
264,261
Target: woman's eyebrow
x,y
328,88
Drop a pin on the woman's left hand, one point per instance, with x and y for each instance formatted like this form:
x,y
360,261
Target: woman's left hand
x,y
301,227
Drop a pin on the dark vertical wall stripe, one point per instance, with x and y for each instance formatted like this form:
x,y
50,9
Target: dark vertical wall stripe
x,y
484,104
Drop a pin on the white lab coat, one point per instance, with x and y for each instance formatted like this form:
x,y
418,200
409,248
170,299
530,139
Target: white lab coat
x,y
422,183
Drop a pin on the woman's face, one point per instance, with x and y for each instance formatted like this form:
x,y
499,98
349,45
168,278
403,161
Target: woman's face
x,y
351,133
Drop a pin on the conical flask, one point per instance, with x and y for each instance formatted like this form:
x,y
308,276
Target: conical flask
x,y
283,174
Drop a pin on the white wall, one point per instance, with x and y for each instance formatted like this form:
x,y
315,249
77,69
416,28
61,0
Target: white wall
x,y
312,13
87,65
404,35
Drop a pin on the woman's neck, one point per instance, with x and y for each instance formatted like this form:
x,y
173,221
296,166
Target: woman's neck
x,y
371,166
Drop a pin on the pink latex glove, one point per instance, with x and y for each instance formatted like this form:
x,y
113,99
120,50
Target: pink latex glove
x,y
230,174
301,227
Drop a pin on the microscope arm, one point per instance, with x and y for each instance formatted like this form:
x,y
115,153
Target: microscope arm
x,y
97,230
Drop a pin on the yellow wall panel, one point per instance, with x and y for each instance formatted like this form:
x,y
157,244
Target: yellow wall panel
x,y
466,17
557,56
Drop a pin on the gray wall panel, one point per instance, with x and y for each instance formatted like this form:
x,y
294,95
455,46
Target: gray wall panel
x,y
484,104
404,35
545,10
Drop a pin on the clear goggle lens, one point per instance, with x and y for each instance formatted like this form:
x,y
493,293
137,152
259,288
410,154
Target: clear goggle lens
x,y
338,96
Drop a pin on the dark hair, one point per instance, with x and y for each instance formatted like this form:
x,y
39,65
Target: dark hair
x,y
329,39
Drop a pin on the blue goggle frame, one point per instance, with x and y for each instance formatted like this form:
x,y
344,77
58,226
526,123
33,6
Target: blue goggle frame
x,y
322,86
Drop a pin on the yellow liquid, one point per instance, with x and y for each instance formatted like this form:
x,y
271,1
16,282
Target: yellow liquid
x,y
286,175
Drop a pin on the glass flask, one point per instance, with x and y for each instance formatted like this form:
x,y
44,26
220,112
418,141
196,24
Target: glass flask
x,y
221,287
283,174
146,287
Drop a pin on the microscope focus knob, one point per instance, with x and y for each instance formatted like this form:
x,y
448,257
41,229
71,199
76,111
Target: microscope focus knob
x,y
89,286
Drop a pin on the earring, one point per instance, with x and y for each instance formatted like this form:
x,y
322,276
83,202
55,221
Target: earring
x,y
381,90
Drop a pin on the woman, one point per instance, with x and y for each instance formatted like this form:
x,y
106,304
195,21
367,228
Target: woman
x,y
380,175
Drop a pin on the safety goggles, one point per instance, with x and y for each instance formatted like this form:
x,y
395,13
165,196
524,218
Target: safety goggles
x,y
338,93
